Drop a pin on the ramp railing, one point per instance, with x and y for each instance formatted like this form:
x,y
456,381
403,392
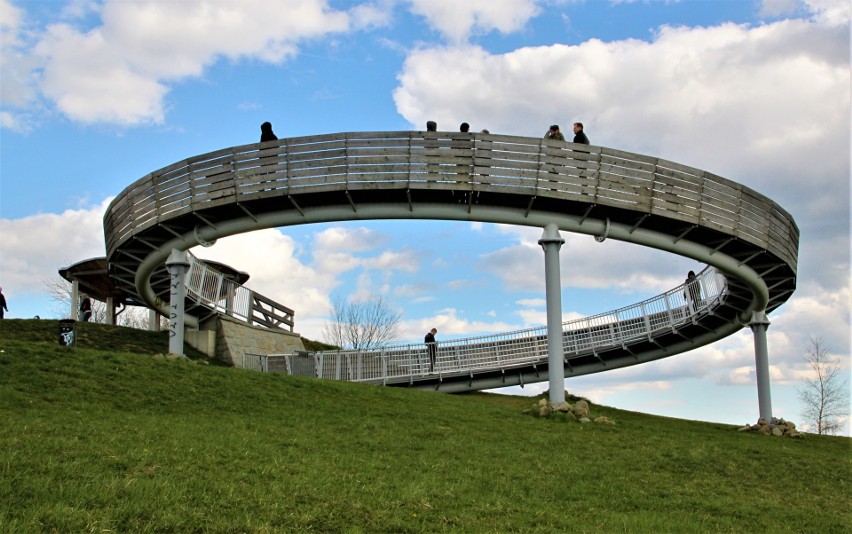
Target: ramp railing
x,y
637,322
214,290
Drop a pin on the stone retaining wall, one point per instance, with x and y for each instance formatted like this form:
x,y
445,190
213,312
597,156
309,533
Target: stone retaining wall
x,y
235,339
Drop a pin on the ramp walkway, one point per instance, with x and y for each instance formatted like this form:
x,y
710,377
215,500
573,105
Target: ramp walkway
x,y
603,192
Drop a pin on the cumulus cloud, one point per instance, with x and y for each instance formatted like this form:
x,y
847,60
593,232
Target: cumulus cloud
x,y
830,12
456,21
449,324
585,263
114,72
17,87
34,248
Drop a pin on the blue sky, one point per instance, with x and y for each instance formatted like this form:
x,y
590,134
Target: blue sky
x,y
96,94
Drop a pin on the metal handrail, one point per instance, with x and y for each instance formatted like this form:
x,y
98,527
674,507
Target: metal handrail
x,y
631,324
211,288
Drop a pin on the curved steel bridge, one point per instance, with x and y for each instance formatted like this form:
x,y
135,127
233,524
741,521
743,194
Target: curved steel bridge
x,y
747,238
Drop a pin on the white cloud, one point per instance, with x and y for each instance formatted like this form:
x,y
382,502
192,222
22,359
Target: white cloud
x,y
450,325
17,87
34,248
339,238
585,263
372,15
776,8
456,21
531,318
394,261
831,12
115,73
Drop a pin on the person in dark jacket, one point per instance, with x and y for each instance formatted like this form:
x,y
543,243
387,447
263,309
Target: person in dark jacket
x,y
431,348
86,308
3,307
579,134
692,292
266,133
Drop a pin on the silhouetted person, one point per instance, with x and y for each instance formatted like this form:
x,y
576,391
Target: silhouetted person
x,y
431,348
431,126
465,127
692,291
579,134
266,133
3,307
86,308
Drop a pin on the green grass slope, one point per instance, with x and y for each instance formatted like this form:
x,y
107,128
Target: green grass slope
x,y
105,437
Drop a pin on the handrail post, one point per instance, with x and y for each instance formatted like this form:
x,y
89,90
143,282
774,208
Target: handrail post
x,y
669,313
384,365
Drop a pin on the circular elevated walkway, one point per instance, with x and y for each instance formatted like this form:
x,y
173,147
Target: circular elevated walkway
x,y
592,190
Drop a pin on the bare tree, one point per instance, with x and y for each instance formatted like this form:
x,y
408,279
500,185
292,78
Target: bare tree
x,y
135,317
824,394
361,325
59,291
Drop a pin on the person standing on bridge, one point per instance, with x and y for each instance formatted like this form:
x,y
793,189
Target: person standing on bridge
x,y
266,133
692,291
431,348
579,134
554,133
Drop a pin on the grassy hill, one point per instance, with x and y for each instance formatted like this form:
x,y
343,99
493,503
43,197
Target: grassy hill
x,y
105,437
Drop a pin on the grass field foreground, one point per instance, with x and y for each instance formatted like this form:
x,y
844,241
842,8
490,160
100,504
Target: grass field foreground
x,y
105,437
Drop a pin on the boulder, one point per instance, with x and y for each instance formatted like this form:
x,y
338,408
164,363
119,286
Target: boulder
x,y
777,427
581,409
563,407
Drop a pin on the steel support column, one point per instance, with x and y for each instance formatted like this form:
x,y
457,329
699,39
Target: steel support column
x,y
759,324
551,242
178,265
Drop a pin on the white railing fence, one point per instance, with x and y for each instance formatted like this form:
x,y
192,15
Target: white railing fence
x,y
220,294
644,320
